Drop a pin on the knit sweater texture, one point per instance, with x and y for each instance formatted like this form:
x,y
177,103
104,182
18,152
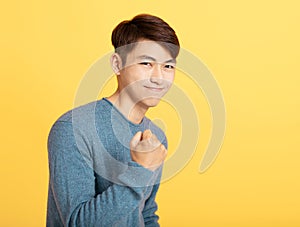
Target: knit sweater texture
x,y
92,178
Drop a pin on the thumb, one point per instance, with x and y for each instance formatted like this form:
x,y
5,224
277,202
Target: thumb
x,y
136,139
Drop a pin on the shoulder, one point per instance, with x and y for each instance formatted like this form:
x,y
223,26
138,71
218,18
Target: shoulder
x,y
83,114
79,120
80,111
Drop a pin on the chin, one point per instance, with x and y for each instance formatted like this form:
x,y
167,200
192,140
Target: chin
x,y
151,102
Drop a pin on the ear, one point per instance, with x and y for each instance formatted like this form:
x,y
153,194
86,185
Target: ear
x,y
116,63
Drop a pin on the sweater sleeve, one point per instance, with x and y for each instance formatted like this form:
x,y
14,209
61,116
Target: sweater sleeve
x,y
149,212
149,215
72,186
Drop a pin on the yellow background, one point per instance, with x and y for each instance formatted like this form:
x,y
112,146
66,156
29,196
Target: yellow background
x,y
251,47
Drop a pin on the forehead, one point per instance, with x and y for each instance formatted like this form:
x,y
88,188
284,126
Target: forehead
x,y
149,48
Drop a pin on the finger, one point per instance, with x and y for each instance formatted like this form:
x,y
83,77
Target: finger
x,y
165,151
154,139
136,139
147,134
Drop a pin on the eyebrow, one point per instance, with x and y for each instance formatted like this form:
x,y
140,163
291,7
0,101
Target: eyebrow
x,y
153,59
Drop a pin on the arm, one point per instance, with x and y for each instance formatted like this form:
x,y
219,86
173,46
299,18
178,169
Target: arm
x,y
72,185
150,217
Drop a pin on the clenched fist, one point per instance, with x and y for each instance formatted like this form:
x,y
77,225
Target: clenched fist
x,y
147,150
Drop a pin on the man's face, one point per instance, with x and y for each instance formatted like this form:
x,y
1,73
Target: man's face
x,y
148,73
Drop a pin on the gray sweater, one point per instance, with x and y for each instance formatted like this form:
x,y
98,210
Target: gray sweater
x,y
93,181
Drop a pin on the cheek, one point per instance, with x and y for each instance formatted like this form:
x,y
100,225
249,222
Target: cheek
x,y
137,74
129,76
170,77
169,81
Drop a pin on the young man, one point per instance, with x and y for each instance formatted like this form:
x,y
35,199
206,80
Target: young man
x,y
105,158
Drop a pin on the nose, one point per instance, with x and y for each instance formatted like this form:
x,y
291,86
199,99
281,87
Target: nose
x,y
156,74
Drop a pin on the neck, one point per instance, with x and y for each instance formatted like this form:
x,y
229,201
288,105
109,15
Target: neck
x,y
134,112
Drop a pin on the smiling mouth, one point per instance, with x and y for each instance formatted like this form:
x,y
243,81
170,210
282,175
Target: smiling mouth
x,y
155,89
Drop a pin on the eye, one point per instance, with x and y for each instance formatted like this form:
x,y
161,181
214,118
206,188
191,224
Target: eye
x,y
145,63
169,66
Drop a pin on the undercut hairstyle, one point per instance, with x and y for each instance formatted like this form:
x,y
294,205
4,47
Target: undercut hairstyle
x,y
144,27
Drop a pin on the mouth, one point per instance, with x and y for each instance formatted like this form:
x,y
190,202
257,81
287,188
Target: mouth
x,y
155,89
